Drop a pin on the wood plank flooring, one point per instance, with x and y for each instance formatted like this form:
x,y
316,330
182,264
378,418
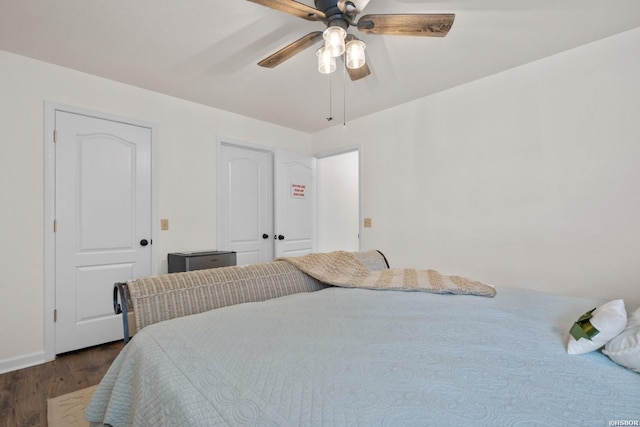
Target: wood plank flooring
x,y
24,393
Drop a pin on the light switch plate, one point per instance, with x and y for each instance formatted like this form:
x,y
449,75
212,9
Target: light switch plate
x,y
164,224
367,222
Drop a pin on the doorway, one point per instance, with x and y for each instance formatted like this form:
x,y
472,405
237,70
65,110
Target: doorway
x,y
339,202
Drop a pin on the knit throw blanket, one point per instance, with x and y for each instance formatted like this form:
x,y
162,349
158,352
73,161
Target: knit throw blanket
x,y
345,270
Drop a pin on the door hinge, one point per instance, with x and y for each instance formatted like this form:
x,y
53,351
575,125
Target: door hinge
x,y
55,136
55,226
55,315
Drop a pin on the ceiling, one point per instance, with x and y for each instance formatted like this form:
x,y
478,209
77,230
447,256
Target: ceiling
x,y
207,51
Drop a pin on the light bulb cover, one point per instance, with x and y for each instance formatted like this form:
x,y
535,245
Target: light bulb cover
x,y
334,40
355,53
326,62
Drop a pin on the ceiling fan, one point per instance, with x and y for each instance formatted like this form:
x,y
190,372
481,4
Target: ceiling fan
x,y
338,16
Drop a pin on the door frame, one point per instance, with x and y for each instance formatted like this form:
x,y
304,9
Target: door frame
x,y
344,150
50,109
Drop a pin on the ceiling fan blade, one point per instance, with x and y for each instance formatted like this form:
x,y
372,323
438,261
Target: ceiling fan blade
x,y
359,73
293,7
425,25
291,50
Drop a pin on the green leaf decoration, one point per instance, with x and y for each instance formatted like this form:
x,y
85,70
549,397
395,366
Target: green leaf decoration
x,y
583,327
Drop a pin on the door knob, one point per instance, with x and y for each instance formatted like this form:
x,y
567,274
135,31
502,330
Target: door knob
x,y
280,237
265,236
144,242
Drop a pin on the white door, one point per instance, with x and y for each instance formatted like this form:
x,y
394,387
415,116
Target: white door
x,y
103,223
245,203
295,205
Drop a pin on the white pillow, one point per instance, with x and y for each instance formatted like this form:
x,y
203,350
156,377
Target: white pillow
x,y
608,320
625,348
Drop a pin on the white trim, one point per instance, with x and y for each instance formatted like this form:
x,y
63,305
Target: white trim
x,y
243,144
49,235
23,361
337,152
50,109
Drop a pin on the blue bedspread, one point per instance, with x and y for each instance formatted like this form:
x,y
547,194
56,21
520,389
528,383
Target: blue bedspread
x,y
353,357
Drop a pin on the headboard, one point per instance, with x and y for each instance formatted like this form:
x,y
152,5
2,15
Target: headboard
x,y
150,300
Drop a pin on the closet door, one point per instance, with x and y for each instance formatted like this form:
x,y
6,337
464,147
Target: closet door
x,y
295,204
103,223
266,203
245,194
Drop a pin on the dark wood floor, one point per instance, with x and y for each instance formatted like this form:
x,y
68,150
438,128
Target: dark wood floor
x,y
24,393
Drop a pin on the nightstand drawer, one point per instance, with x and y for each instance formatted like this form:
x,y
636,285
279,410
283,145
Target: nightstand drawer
x,y
189,261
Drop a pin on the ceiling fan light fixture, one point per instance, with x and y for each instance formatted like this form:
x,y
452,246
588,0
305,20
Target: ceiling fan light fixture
x,y
326,62
355,54
334,40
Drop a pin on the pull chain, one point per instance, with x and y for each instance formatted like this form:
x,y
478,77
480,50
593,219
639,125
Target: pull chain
x,y
344,90
330,118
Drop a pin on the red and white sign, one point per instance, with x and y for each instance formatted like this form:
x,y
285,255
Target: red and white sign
x,y
298,191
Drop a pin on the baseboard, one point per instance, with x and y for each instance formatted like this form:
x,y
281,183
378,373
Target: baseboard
x,y
23,361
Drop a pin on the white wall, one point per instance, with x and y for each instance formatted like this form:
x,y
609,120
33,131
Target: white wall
x,y
186,151
338,202
528,178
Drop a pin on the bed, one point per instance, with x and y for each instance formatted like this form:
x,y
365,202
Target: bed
x,y
351,356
